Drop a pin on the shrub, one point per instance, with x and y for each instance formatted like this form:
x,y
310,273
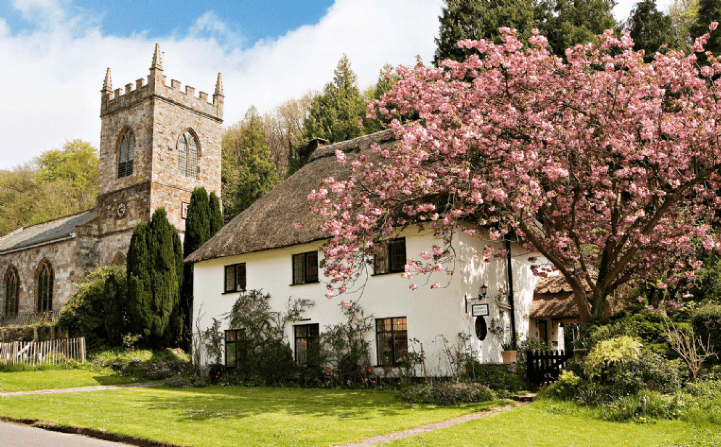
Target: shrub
x,y
493,376
565,388
345,349
447,394
706,322
608,356
645,405
98,309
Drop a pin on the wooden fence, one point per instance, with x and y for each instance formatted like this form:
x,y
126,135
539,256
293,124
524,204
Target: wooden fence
x,y
545,367
49,352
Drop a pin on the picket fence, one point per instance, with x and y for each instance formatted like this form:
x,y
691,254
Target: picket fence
x,y
49,352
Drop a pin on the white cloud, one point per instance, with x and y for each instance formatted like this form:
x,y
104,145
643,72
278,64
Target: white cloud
x,y
53,76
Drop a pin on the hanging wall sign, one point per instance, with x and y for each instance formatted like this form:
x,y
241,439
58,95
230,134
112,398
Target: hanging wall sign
x,y
479,310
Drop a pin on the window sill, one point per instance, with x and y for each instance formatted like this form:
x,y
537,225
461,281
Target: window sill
x,y
235,291
305,283
388,273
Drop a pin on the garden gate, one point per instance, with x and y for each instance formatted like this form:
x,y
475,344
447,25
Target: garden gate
x,y
545,366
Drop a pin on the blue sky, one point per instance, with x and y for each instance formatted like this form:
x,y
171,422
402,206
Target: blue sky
x,y
54,53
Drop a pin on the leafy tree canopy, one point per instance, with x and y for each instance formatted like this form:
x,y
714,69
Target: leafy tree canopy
x,y
610,174
650,29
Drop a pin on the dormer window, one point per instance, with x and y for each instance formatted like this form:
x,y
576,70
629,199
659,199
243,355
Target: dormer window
x,y
188,155
127,154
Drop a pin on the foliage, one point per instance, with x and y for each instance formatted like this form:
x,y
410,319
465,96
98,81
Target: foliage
x,y
141,364
650,29
212,338
447,394
155,275
609,173
692,350
522,348
216,215
568,23
708,11
706,322
284,129
98,309
345,349
57,183
683,15
610,356
335,113
494,376
479,19
246,171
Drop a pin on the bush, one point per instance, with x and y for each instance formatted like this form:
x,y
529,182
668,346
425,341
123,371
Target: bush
x,y
447,394
645,405
609,356
98,309
142,364
706,322
493,376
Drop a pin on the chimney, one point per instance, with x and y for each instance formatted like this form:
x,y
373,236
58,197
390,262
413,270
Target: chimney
x,y
306,151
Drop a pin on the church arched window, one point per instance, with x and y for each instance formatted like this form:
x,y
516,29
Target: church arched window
x,y
127,154
119,259
12,287
46,278
188,155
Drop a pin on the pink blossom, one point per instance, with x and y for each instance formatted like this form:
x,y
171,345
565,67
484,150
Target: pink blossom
x,y
436,285
425,255
329,295
413,287
713,25
297,225
346,305
340,155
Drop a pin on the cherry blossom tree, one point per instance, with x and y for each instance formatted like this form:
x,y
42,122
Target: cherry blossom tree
x,y
606,165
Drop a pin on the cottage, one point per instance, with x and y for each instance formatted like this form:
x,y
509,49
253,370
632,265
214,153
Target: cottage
x,y
261,249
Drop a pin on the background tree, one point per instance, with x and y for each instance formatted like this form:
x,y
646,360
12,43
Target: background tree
x,y
708,11
57,183
246,172
566,23
683,15
216,214
480,19
650,29
155,275
335,114
610,174
284,128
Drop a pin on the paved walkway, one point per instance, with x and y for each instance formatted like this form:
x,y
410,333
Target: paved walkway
x,y
388,437
81,389
15,435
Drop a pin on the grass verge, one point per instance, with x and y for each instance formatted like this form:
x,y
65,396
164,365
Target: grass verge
x,y
232,416
57,378
557,424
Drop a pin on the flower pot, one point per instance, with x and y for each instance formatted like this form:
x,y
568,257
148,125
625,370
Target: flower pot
x,y
509,356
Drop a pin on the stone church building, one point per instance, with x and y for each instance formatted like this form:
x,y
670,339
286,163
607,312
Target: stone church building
x,y
157,143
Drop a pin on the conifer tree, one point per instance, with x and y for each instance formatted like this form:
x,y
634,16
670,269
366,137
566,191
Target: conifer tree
x,y
708,11
216,214
155,274
650,29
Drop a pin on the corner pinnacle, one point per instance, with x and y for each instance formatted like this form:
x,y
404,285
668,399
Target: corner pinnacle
x,y
108,83
157,58
219,85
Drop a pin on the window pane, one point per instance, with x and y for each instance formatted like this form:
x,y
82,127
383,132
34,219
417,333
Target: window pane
x,y
311,267
381,259
298,264
398,255
230,336
192,161
230,354
400,346
182,156
240,277
229,278
131,154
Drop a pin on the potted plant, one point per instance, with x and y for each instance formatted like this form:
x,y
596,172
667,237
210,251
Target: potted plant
x,y
509,352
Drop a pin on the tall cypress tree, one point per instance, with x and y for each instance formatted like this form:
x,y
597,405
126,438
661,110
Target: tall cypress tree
x,y
155,274
708,11
140,293
198,222
216,215
650,29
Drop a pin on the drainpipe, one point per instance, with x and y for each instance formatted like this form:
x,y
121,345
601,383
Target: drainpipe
x,y
511,300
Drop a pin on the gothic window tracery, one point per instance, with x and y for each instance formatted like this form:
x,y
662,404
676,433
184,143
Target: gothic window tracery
x,y
127,154
188,155
46,278
12,287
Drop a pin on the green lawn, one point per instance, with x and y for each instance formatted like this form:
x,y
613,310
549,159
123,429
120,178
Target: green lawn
x,y
560,424
232,416
55,378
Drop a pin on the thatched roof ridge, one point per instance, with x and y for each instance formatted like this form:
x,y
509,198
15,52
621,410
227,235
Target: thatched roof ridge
x,y
268,223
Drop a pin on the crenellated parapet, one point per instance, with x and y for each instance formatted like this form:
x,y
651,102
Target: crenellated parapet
x,y
155,87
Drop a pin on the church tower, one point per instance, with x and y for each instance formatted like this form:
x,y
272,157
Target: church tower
x,y
157,143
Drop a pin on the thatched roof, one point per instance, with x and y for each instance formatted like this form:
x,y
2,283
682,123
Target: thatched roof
x,y
268,223
553,298
45,232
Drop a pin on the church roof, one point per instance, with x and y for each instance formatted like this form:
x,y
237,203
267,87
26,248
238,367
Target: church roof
x,y
45,232
268,223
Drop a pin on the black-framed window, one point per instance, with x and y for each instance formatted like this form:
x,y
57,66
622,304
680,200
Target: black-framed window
x,y
305,267
12,286
235,278
390,256
127,154
391,340
307,347
46,278
234,347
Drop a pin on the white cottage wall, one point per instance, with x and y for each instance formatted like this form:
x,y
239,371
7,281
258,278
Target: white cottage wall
x,y
435,317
